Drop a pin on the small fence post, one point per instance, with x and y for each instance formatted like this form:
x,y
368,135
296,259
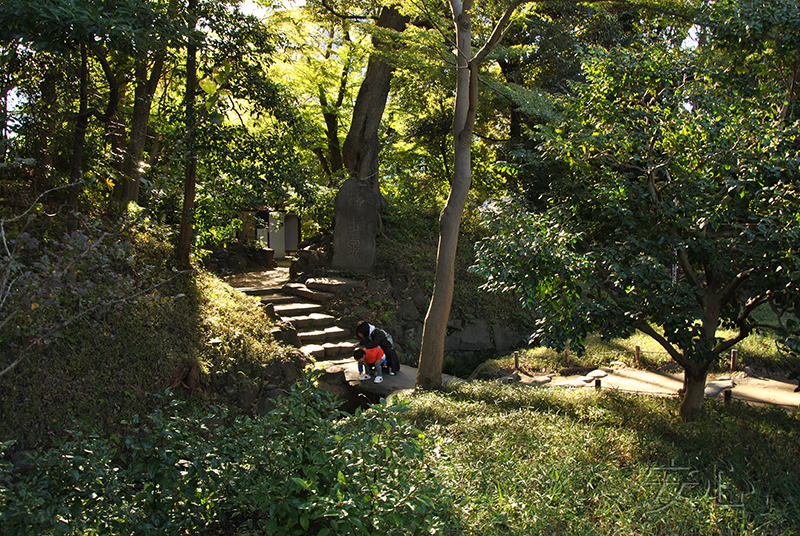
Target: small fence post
x,y
734,359
638,351
728,396
516,360
597,385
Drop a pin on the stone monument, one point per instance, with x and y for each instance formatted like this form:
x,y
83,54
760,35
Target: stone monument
x,y
355,226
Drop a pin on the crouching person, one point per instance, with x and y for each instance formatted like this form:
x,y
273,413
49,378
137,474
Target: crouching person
x,y
371,337
368,358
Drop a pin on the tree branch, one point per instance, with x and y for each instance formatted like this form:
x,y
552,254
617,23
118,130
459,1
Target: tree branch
x,y
333,11
647,329
113,86
683,259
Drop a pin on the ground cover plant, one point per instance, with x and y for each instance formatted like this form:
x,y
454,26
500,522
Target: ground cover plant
x,y
106,364
305,468
520,460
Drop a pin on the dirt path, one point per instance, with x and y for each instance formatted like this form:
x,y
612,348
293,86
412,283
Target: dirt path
x,y
268,278
749,389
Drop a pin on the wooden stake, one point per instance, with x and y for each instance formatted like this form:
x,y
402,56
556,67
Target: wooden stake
x,y
734,359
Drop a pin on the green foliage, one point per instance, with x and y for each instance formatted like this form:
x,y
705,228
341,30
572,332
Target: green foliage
x,y
56,25
760,40
245,171
303,468
538,460
317,210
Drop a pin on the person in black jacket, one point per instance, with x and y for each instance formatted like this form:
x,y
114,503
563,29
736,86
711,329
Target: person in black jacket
x,y
371,337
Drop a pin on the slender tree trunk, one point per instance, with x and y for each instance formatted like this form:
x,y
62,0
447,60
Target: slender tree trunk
x,y
48,130
116,131
334,161
4,122
79,141
145,90
429,373
185,238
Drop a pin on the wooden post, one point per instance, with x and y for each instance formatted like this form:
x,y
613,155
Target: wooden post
x,y
728,396
597,386
638,352
516,360
734,359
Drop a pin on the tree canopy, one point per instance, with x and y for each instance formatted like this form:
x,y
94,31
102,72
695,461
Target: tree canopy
x,y
678,216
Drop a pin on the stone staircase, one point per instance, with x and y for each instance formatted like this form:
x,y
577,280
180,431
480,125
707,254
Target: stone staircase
x,y
301,310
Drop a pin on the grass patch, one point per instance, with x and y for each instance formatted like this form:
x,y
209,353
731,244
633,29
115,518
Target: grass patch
x,y
551,461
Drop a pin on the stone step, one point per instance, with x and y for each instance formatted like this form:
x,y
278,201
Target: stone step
x,y
329,350
297,309
339,349
277,299
317,351
313,320
302,291
334,284
322,335
261,291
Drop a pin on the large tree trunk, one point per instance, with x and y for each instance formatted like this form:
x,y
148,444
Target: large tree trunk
x,y
429,373
694,387
190,185
362,145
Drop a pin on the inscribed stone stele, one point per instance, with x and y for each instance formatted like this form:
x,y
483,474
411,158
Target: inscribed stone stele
x,y
356,224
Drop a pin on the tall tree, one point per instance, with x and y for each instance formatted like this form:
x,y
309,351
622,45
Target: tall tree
x,y
362,145
323,62
190,183
429,373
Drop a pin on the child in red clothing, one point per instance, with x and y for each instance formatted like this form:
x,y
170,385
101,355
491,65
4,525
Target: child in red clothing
x,y
369,357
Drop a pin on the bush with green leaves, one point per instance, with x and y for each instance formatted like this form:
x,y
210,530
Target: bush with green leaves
x,y
305,468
